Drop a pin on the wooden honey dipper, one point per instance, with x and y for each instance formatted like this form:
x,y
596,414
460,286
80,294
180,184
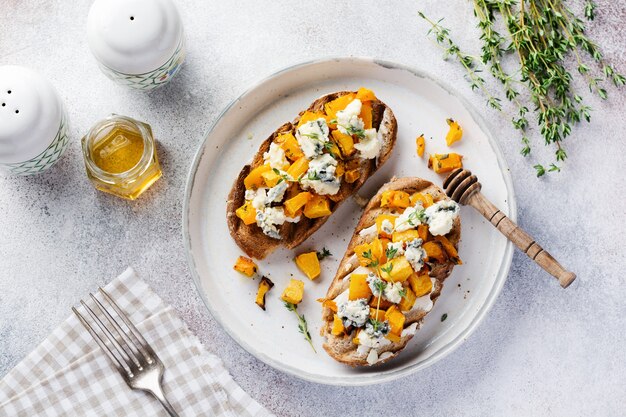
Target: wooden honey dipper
x,y
464,188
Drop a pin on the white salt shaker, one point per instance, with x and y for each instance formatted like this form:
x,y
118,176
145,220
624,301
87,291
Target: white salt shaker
x,y
33,122
138,43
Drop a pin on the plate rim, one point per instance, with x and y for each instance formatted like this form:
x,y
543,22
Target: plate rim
x,y
445,350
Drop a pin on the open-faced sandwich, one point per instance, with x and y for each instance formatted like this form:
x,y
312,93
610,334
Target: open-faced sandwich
x,y
307,168
403,249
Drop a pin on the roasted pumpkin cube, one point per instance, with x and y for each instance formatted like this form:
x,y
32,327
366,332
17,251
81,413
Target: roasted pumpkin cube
x,y
337,104
352,175
309,264
317,206
294,204
395,199
379,302
421,145
379,224
345,142
365,94
408,300
396,320
422,231
378,314
370,254
359,287
246,266
451,251
289,144
420,284
298,168
426,199
246,213
366,115
455,132
446,162
334,150
271,178
434,251
338,328
393,337
309,116
254,179
407,235
340,170
294,292
396,270
328,304
264,286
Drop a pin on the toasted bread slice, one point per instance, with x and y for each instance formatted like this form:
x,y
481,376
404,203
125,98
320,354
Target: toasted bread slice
x,y
342,348
251,238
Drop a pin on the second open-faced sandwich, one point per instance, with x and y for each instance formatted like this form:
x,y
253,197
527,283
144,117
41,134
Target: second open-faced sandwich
x,y
403,249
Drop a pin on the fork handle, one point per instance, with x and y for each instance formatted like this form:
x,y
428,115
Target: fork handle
x,y
521,239
159,395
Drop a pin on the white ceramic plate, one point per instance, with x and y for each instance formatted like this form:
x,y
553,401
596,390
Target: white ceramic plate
x,y
421,105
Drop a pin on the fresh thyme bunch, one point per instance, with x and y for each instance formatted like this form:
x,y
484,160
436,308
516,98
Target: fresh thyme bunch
x,y
540,34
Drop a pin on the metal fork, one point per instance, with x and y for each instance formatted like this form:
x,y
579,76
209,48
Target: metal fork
x,y
131,355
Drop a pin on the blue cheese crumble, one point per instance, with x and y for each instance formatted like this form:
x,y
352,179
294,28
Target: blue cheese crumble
x,y
321,176
275,156
415,254
440,217
354,312
312,137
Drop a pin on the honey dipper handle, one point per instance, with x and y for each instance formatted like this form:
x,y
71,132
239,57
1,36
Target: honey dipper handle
x,y
521,239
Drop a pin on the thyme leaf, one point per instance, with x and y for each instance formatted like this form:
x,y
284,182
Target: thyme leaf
x,y
302,325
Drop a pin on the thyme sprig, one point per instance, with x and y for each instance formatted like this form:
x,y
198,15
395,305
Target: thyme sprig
x,y
302,325
541,34
323,253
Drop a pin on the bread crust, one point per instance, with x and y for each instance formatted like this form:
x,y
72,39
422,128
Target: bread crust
x,y
341,348
250,238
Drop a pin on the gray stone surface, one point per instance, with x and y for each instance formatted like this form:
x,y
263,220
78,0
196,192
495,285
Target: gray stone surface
x,y
540,351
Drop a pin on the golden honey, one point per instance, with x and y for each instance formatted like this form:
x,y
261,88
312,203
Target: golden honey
x,y
120,156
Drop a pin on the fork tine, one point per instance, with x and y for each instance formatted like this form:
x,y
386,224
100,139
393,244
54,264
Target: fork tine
x,y
127,346
143,347
109,336
114,360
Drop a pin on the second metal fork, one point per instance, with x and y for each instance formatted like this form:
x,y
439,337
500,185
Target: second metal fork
x,y
131,355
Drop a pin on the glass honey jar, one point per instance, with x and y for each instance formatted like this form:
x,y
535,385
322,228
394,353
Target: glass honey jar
x,y
120,156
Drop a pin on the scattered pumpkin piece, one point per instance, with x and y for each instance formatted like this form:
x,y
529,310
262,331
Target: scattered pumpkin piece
x,y
294,204
421,145
254,178
317,206
246,213
395,199
396,320
393,338
408,300
383,304
370,254
420,284
422,231
246,266
396,270
309,116
337,104
379,224
378,314
345,142
298,168
426,199
352,175
359,287
294,292
453,255
365,94
441,163
271,178
407,235
338,328
264,286
366,115
434,251
455,132
309,264
289,143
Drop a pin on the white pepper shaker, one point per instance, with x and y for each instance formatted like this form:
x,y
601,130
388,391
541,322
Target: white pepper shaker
x,y
33,122
138,43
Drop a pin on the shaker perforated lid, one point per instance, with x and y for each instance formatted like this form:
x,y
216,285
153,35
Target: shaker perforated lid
x,y
30,114
133,36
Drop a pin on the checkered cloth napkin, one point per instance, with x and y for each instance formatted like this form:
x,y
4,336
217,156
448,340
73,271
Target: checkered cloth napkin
x,y
68,374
